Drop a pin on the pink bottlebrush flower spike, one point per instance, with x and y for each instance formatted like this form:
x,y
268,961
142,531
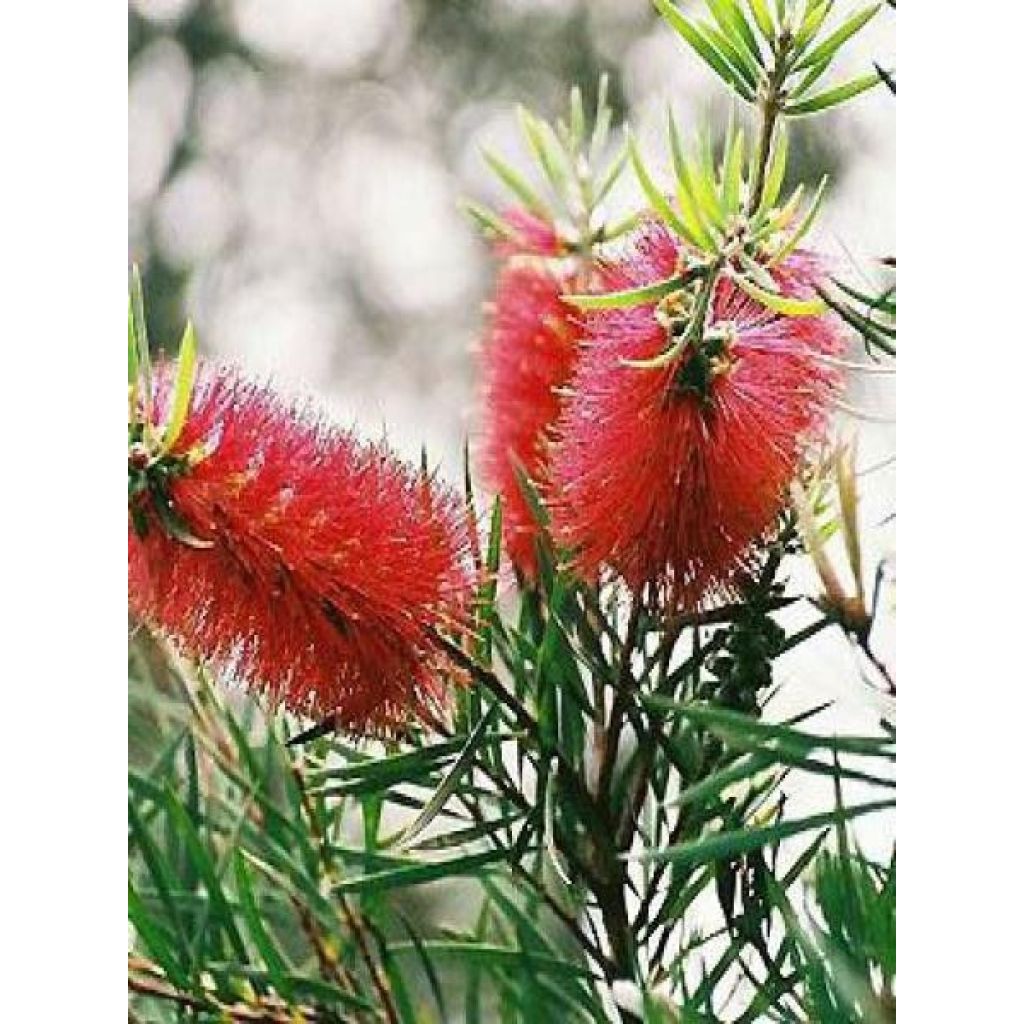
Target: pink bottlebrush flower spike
x,y
528,357
668,486
326,565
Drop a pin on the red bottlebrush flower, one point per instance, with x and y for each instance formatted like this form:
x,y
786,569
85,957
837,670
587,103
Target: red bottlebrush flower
x,y
670,486
329,563
533,235
528,358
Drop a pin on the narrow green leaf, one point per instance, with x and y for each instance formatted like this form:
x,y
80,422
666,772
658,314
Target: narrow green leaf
x,y
762,18
725,722
462,837
612,175
805,225
807,81
654,195
133,347
517,184
736,841
549,827
883,303
493,956
833,97
701,178
436,988
602,120
448,784
779,303
406,766
776,168
698,231
275,964
737,59
826,50
489,221
577,119
729,15
733,177
161,873
813,19
418,874
184,381
705,49
153,937
207,872
137,327
629,297
545,148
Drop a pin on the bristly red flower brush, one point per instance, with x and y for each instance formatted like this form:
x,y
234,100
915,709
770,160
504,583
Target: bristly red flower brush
x,y
326,564
528,357
671,475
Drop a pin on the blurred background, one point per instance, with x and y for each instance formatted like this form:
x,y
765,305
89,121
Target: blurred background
x,y
294,172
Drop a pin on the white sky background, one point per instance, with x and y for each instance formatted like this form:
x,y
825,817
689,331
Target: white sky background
x,y
327,169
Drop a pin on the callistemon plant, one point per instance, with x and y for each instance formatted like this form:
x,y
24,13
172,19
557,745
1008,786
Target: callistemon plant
x,y
589,743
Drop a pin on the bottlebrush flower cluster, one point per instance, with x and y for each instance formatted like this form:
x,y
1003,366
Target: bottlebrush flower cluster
x,y
528,357
665,486
327,565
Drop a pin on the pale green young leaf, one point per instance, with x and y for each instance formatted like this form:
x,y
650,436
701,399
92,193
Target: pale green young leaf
x,y
813,20
184,381
545,147
630,297
827,49
779,303
703,184
137,329
654,195
776,169
490,222
762,18
577,119
805,224
733,177
705,49
693,216
730,16
518,185
133,346
611,176
602,120
805,83
740,62
833,97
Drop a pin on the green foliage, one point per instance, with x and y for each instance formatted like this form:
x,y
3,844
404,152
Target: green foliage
x,y
792,55
246,888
